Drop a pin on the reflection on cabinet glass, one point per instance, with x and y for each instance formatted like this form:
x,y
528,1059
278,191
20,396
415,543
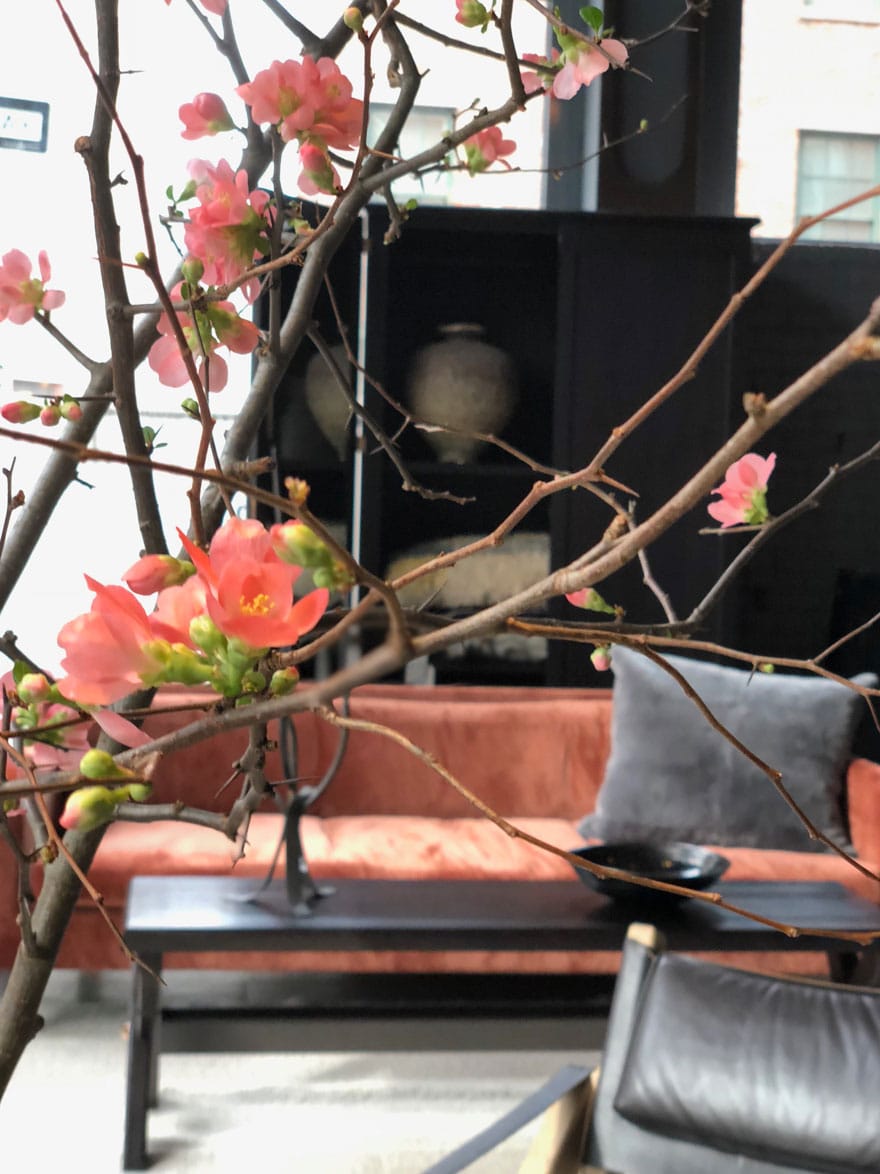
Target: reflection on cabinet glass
x,y
596,312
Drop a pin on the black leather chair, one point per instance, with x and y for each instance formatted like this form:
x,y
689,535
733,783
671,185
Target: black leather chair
x,y
708,1069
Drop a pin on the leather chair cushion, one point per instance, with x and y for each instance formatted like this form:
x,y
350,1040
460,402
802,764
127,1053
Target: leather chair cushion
x,y
794,1086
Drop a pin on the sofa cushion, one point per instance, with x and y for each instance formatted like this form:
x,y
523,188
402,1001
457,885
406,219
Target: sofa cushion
x,y
670,775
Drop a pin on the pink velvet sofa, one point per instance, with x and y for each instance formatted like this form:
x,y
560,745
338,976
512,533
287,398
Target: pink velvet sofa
x,y
534,755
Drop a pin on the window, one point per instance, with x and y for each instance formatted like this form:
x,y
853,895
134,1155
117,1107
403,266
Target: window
x,y
831,168
425,126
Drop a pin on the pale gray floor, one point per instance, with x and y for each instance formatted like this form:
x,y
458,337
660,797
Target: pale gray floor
x,y
318,1113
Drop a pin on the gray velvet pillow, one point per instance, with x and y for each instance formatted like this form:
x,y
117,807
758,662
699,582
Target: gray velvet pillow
x,y
670,775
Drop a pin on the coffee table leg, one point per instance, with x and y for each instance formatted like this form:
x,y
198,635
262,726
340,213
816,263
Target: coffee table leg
x,y
143,1061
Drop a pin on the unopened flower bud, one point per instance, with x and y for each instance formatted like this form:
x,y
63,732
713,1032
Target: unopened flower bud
x,y
192,270
33,687
601,658
139,792
472,14
20,411
284,681
590,599
154,572
191,408
295,543
50,415
89,807
353,19
205,634
70,408
99,765
253,681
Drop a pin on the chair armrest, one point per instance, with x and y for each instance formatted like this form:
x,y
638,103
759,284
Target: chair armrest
x,y
569,1089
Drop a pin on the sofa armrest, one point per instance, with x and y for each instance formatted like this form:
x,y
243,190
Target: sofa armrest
x,y
863,803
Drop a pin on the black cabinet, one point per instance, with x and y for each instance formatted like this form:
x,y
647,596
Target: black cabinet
x,y
597,312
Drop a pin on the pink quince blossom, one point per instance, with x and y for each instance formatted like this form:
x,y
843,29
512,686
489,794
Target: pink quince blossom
x,y
540,79
249,591
205,115
485,148
743,494
229,228
589,63
20,294
307,100
108,648
176,608
218,325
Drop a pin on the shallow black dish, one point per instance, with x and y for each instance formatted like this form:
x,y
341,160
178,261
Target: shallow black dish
x,y
687,865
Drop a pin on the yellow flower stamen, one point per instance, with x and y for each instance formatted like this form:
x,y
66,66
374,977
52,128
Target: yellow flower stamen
x,y
259,605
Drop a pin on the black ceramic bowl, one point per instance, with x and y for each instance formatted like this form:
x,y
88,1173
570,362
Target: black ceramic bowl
x,y
687,865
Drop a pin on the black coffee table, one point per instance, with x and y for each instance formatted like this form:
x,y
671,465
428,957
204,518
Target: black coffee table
x,y
204,914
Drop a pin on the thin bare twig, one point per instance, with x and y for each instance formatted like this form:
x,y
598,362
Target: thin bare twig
x,y
599,870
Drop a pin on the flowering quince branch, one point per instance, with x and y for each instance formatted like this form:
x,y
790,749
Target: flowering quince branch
x,y
766,531
225,615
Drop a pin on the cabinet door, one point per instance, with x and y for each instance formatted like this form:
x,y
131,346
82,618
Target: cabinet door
x,y
498,270
636,297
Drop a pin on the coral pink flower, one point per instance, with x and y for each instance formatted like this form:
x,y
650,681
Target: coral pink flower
x,y
743,495
205,115
230,227
107,648
485,148
249,591
166,360
253,602
176,608
307,100
541,79
587,66
220,319
21,294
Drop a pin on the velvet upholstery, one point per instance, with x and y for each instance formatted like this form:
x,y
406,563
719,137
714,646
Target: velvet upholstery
x,y
536,756
672,776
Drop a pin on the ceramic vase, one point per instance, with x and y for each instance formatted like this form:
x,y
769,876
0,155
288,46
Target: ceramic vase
x,y
326,400
462,382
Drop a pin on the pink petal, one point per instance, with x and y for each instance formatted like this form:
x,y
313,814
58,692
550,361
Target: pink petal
x,y
120,728
308,610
